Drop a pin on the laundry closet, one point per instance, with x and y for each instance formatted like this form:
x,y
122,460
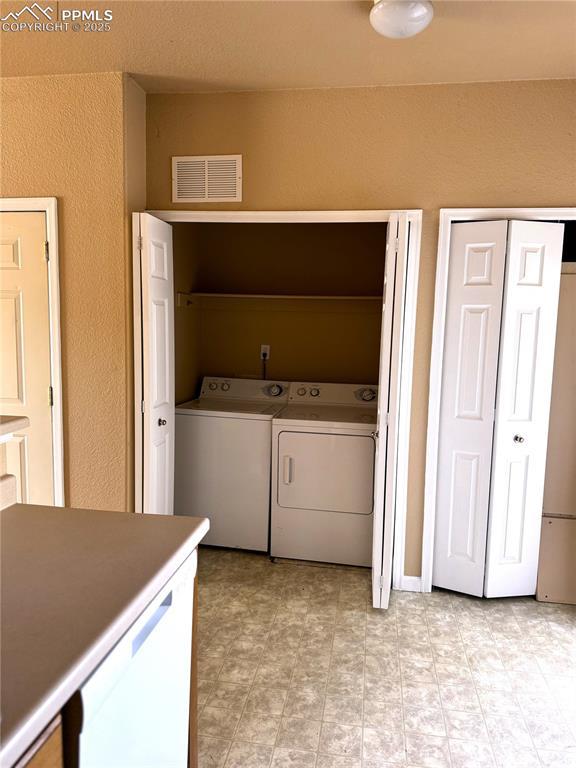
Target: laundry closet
x,y
271,351
277,357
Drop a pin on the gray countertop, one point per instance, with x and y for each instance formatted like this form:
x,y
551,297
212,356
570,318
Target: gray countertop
x,y
72,583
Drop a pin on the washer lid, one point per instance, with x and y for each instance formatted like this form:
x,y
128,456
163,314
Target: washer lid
x,y
239,409
327,415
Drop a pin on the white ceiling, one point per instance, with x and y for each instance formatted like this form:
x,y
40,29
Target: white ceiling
x,y
273,44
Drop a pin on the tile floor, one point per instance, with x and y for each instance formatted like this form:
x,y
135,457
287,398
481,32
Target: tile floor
x,y
297,670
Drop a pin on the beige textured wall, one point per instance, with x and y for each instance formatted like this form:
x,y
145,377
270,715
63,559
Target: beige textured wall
x,y
493,144
63,136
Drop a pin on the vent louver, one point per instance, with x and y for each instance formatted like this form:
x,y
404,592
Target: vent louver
x,y
207,179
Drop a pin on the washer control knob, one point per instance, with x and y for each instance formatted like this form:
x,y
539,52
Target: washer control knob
x,y
274,390
301,391
367,395
314,392
212,385
225,386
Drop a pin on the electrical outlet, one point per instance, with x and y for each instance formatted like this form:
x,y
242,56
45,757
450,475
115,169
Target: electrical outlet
x,y
264,351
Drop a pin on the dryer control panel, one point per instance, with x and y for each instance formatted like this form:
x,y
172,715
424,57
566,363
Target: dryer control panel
x,y
333,394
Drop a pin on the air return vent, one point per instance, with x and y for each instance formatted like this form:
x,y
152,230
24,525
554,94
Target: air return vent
x,y
207,179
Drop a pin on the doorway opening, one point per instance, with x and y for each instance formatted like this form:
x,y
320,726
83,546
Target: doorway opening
x,y
330,297
31,384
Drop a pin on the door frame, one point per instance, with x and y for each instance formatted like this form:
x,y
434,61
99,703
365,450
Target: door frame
x,y
49,207
449,216
404,374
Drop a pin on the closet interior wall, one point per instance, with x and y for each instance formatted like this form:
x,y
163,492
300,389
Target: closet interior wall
x,y
311,291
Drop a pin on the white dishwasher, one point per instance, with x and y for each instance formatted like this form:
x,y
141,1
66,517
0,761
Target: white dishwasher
x,y
135,706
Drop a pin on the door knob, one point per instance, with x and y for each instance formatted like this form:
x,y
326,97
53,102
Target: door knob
x,y
518,439
162,422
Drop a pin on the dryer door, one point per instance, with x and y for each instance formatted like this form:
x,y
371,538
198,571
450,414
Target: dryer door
x,y
326,472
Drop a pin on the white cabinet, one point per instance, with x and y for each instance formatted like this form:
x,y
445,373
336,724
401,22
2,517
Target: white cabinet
x,y
503,286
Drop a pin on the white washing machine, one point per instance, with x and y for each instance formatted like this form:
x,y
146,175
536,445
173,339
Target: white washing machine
x,y
323,452
223,456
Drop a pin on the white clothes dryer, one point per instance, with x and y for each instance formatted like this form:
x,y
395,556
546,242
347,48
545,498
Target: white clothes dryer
x,y
323,452
223,459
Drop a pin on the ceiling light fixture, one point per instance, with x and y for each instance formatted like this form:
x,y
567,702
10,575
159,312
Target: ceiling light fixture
x,y
401,18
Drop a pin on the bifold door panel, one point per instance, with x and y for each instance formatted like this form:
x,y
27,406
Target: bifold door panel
x,y
326,472
502,303
475,289
523,406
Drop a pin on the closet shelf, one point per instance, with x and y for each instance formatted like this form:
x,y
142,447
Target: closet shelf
x,y
202,295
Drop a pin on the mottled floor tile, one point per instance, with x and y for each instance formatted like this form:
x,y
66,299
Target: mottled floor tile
x,y
557,759
460,697
212,752
343,710
336,739
427,751
269,701
238,671
511,756
292,758
436,678
273,675
382,714
299,734
306,703
508,729
470,754
380,744
428,721
257,728
244,755
219,723
228,696
338,761
421,695
469,726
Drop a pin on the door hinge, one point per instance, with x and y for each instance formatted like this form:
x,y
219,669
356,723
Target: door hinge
x,y
142,406
47,250
396,245
381,582
139,242
50,397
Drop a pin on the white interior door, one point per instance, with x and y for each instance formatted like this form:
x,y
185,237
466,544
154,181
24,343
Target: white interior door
x,y
531,292
469,376
388,401
157,363
25,374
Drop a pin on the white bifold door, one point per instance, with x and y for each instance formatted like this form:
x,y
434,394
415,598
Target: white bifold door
x,y
385,463
502,303
154,363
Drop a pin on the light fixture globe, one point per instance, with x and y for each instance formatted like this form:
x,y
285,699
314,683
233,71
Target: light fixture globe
x,y
401,18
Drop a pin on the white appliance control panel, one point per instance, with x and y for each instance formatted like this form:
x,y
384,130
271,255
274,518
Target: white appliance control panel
x,y
333,394
244,389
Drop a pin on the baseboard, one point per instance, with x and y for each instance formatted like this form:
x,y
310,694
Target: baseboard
x,y
409,584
